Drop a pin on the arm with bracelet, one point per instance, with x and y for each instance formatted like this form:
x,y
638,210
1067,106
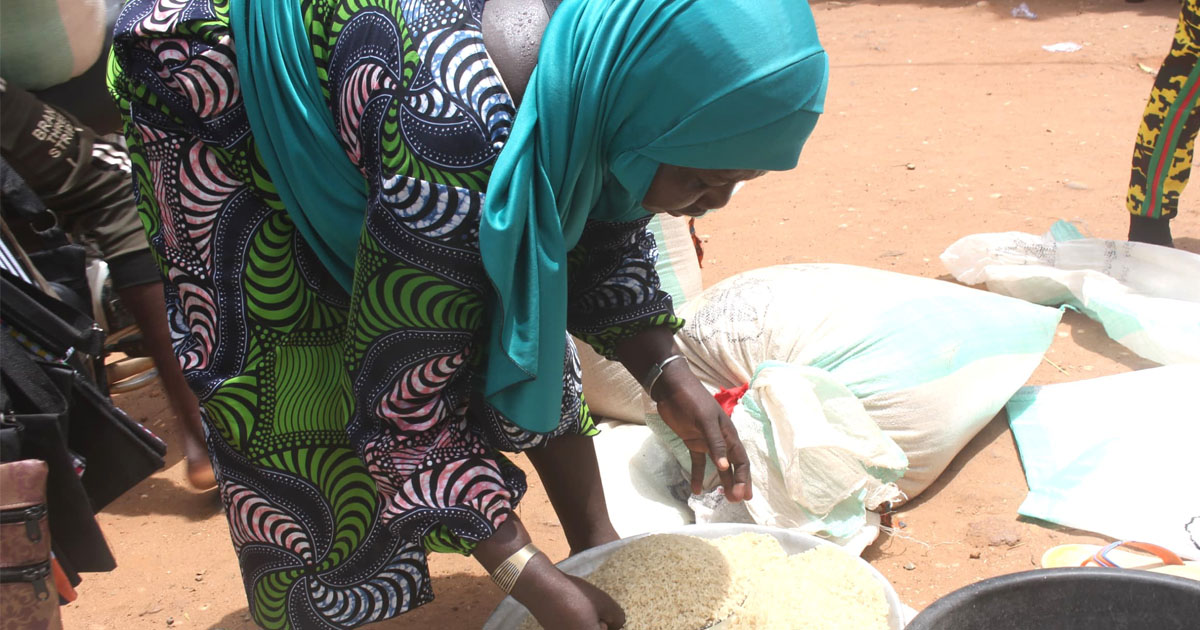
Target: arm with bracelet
x,y
641,336
688,408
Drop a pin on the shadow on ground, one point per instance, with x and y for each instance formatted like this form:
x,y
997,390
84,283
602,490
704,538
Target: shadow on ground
x,y
463,602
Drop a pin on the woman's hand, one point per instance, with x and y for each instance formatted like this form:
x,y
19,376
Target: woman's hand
x,y
558,600
696,417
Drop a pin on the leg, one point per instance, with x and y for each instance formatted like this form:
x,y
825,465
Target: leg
x,y
1162,156
87,180
145,303
568,469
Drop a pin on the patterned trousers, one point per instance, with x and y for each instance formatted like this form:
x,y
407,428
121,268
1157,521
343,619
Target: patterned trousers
x,y
1162,156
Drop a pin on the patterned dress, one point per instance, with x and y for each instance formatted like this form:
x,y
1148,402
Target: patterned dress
x,y
348,433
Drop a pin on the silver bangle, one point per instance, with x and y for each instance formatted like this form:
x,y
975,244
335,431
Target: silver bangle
x,y
656,371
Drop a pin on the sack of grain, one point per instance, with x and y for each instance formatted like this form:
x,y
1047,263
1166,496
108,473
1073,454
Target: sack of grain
x,y
610,390
930,361
1146,296
819,460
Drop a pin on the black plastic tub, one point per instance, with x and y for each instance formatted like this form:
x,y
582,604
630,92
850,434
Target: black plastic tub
x,y
1069,599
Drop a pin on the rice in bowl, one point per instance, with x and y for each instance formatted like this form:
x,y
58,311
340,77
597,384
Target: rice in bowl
x,y
678,582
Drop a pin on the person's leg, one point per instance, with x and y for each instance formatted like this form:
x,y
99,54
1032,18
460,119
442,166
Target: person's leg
x,y
86,179
145,303
570,473
1162,157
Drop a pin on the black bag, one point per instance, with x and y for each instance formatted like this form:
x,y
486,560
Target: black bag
x,y
54,411
78,541
120,452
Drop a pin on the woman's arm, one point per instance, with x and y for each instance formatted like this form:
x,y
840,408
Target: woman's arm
x,y
617,306
555,599
692,413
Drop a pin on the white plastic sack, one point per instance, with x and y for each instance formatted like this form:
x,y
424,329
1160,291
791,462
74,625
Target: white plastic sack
x,y
643,486
931,362
610,390
819,460
1146,296
712,507
1115,455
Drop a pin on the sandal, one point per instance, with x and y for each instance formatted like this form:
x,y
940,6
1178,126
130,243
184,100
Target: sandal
x,y
1160,560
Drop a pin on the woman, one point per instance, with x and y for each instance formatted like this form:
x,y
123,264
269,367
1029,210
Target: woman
x,y
367,329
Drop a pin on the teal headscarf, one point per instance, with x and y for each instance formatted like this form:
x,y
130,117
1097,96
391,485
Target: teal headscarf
x,y
323,191
622,86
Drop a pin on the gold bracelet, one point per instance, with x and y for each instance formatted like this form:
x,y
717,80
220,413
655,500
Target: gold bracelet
x,y
505,576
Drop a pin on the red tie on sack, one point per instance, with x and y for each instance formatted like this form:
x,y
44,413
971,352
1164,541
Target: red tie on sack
x,y
728,398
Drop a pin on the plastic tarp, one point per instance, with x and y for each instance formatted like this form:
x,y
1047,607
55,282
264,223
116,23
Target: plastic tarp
x,y
1116,455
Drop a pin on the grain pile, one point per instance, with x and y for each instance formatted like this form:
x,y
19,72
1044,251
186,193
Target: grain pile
x,y
820,589
674,582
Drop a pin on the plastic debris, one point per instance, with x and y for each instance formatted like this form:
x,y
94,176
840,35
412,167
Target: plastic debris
x,y
1063,47
1024,12
1074,185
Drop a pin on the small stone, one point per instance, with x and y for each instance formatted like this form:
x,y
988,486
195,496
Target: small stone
x,y
144,496
909,566
170,621
981,3
910,166
903,525
993,532
975,555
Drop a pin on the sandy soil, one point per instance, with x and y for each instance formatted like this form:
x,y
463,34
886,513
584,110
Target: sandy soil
x,y
993,127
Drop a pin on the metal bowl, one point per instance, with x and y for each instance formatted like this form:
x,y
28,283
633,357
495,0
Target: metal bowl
x,y
509,614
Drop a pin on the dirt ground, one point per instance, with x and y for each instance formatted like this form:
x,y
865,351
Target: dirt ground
x,y
944,118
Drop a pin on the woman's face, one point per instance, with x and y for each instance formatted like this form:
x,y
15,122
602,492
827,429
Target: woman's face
x,y
683,191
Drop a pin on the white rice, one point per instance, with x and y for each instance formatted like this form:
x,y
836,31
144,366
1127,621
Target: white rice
x,y
674,582
820,589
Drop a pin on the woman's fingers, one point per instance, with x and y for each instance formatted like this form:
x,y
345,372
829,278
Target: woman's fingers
x,y
742,488
712,431
609,612
611,615
699,462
